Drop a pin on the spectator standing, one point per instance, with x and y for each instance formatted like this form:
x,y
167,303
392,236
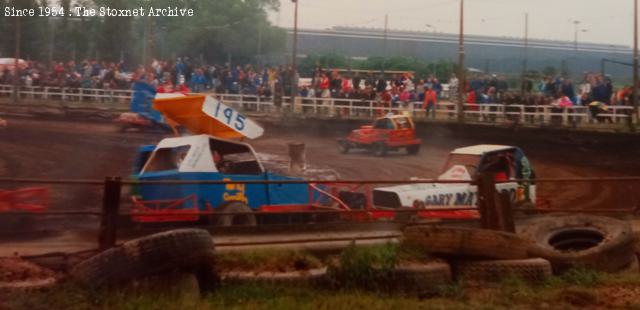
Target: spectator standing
x,y
430,101
180,70
600,92
356,82
453,87
198,81
569,91
381,85
420,90
325,92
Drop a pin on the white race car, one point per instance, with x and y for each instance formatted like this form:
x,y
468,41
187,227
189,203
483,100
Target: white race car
x,y
506,163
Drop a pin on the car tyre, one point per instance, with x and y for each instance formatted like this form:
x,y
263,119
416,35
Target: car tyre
x,y
413,149
343,146
530,270
585,241
469,242
380,149
247,219
151,255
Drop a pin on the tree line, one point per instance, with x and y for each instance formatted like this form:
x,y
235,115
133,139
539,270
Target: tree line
x,y
219,30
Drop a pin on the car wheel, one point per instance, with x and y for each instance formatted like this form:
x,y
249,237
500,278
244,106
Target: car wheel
x,y
413,149
343,147
246,219
380,149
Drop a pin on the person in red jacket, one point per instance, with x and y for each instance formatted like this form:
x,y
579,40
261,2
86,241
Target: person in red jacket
x,y
471,100
168,87
324,86
430,101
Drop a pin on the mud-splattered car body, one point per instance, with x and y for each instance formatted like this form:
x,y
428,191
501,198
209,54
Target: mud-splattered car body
x,y
391,132
508,164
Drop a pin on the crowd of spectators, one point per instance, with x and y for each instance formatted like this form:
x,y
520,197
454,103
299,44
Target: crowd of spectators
x,y
387,90
86,74
183,74
595,92
548,91
164,75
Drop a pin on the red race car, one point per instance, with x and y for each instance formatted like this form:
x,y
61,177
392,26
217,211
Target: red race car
x,y
391,132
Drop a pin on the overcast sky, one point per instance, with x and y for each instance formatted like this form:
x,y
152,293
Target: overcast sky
x,y
605,21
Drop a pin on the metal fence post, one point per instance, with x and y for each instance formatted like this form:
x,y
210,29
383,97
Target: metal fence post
x,y
110,210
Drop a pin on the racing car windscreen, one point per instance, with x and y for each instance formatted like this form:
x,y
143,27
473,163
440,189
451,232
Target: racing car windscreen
x,y
386,199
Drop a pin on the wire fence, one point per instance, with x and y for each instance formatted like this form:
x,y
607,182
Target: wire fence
x,y
116,217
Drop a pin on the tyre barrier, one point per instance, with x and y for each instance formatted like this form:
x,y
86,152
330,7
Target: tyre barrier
x,y
28,285
423,278
633,267
294,278
469,242
533,270
406,278
178,284
581,241
17,274
184,249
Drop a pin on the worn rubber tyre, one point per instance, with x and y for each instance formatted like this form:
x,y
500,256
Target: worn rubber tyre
x,y
191,249
379,149
248,219
480,243
413,149
419,279
633,267
343,146
28,285
294,278
530,270
587,241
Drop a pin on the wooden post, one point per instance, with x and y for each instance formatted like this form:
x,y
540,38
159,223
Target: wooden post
x,y
505,213
297,157
495,208
110,210
486,200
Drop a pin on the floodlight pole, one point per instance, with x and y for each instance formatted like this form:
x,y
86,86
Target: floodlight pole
x,y
386,26
635,60
294,56
461,68
526,54
16,68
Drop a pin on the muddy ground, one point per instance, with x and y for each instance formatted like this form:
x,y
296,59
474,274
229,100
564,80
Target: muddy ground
x,y
64,149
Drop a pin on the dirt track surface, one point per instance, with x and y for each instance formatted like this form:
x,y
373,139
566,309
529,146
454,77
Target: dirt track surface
x,y
54,149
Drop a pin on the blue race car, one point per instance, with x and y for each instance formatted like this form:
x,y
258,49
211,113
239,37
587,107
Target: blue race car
x,y
204,157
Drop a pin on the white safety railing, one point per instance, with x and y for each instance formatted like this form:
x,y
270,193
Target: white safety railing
x,y
69,94
535,115
492,113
